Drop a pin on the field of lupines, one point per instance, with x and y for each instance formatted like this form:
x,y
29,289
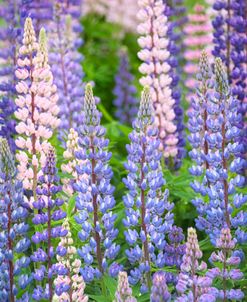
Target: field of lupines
x,y
123,142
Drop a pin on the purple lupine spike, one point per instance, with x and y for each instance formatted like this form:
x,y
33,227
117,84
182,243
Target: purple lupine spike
x,y
14,241
10,37
174,49
66,67
47,210
230,25
214,127
124,291
159,291
191,285
174,251
225,268
124,91
146,204
95,199
40,12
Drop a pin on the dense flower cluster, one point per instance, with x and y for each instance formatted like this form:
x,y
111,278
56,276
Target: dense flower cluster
x,y
14,241
159,291
174,251
198,32
123,292
95,199
69,287
36,106
40,12
175,48
124,91
47,210
191,286
155,69
230,41
225,270
66,66
214,131
146,205
9,35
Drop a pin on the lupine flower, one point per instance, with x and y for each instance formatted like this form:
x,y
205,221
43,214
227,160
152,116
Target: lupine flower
x,y
159,291
39,11
13,235
198,32
69,287
36,106
47,209
155,69
191,286
175,48
230,41
66,67
174,251
225,269
71,162
9,35
95,199
124,291
214,132
124,91
146,205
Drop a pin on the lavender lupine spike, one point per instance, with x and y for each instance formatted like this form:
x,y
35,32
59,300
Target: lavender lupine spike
x,y
39,11
191,286
70,287
124,91
48,210
214,127
14,241
67,70
124,291
36,107
95,199
155,69
159,291
225,270
146,204
174,251
9,35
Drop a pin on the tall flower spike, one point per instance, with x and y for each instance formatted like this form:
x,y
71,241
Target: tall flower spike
x,y
124,91
69,287
174,251
159,291
225,270
48,210
146,205
155,68
191,286
124,291
174,33
66,67
198,37
214,126
14,241
36,107
95,199
10,40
